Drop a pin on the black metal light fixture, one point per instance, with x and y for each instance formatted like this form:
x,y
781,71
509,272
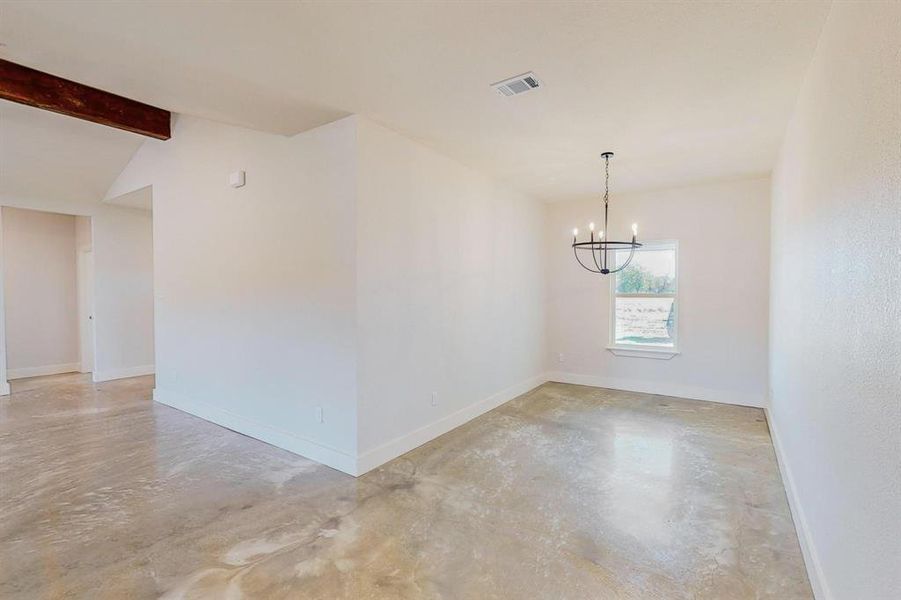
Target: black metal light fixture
x,y
601,248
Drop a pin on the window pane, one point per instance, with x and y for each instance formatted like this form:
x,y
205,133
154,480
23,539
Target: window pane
x,y
650,272
649,321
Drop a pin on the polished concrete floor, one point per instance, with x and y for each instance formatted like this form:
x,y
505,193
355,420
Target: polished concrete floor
x,y
567,492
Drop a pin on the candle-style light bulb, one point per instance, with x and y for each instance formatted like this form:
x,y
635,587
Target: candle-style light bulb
x,y
634,228
591,226
575,232
600,235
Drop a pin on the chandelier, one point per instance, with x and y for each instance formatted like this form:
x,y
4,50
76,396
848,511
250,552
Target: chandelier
x,y
601,250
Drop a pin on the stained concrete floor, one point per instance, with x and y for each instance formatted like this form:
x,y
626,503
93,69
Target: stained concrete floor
x,y
567,492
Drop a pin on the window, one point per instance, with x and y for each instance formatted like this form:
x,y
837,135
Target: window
x,y
644,302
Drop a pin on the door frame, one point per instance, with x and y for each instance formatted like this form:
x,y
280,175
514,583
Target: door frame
x,y
85,274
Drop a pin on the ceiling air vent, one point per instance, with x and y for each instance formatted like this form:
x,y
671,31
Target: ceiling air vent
x,y
517,85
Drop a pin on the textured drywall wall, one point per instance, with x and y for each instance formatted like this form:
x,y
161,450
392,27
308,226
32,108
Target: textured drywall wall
x,y
450,273
835,325
254,286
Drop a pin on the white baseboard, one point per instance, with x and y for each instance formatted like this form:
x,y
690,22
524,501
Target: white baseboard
x,y
333,457
370,459
811,558
307,448
4,388
664,389
400,445
124,373
43,370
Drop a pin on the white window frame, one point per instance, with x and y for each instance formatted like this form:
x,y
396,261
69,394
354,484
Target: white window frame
x,y
642,350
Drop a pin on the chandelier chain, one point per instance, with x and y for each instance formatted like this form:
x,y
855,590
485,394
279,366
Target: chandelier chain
x,y
606,179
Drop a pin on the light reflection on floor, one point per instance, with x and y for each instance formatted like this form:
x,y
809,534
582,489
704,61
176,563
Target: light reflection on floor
x,y
567,492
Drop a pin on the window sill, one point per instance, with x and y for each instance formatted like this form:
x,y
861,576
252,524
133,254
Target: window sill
x,y
643,352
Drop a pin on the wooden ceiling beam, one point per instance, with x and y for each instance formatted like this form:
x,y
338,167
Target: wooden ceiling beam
x,y
35,88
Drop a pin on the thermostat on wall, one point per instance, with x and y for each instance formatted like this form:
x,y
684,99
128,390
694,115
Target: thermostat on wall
x,y
236,179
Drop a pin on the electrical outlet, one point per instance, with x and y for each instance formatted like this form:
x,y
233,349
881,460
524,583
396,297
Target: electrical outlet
x,y
561,358
434,398
319,415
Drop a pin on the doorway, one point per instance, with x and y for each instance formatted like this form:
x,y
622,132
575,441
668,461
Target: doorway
x,y
47,292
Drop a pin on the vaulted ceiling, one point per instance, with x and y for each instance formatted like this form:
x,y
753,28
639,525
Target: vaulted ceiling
x,y
45,155
682,91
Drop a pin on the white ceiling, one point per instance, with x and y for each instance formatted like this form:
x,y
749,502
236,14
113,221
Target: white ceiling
x,y
44,155
682,91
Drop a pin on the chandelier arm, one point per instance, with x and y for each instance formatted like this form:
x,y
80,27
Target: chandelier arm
x,y
628,260
579,260
595,258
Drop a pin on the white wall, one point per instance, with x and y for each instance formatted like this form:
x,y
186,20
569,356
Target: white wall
x,y
450,274
42,336
836,306
722,230
126,310
357,271
123,293
255,302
